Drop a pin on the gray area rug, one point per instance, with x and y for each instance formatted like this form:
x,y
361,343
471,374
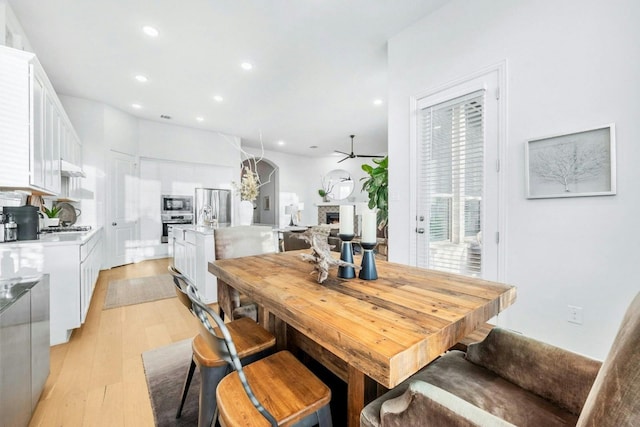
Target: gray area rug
x,y
139,290
165,369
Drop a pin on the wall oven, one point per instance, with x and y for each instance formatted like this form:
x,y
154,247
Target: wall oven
x,y
175,210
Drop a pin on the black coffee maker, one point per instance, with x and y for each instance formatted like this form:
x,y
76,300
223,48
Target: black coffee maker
x,y
27,219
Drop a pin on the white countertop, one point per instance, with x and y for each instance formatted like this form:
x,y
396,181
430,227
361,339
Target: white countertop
x,y
52,239
200,229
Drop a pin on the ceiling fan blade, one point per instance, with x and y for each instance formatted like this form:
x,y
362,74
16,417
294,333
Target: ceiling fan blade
x,y
366,155
340,161
341,152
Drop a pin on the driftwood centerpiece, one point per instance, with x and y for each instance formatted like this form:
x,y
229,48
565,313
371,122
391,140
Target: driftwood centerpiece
x,y
320,255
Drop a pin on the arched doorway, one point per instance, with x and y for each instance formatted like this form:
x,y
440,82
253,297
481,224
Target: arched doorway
x,y
266,206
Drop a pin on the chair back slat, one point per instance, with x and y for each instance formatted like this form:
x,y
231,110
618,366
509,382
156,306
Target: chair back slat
x,y
181,289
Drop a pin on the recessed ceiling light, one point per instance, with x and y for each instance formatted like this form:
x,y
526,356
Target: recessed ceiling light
x,y
200,118
281,142
377,102
218,98
246,66
150,31
141,78
136,106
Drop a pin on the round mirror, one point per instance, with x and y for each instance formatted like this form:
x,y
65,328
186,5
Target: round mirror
x,y
338,184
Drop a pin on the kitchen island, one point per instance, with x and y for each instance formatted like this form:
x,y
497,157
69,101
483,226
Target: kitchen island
x,y
193,249
72,260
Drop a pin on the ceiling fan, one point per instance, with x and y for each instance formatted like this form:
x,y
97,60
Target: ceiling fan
x,y
352,155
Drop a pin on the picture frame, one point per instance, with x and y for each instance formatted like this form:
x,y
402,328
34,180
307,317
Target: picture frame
x,y
576,164
266,203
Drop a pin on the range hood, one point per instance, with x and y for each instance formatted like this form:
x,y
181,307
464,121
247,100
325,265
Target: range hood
x,y
69,169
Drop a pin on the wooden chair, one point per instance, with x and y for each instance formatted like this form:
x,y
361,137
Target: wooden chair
x,y
252,342
235,242
277,390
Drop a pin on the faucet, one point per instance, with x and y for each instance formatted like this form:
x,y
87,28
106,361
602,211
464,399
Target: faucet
x,y
206,216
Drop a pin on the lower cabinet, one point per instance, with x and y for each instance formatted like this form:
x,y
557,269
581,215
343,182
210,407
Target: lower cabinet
x,y
192,252
73,264
74,271
90,263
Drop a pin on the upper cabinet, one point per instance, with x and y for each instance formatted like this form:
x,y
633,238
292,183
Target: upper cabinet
x,y
34,129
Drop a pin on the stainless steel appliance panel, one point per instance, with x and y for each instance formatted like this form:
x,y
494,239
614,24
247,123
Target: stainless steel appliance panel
x,y
40,340
15,366
174,204
170,220
212,206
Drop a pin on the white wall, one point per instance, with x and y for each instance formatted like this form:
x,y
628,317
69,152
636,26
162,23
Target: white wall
x,y
572,65
303,176
87,118
121,131
159,177
11,32
173,160
182,144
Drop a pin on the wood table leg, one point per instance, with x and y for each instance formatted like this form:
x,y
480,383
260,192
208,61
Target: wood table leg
x,y
361,390
280,332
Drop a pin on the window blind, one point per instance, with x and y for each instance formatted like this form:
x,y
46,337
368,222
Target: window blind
x,y
450,184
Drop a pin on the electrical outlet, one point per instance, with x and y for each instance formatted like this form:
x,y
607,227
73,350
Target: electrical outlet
x,y
574,314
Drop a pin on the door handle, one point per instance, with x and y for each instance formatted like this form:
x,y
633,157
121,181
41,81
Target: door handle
x,y
420,230
114,223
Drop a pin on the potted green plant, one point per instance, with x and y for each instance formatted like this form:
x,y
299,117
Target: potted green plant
x,y
52,219
377,187
323,193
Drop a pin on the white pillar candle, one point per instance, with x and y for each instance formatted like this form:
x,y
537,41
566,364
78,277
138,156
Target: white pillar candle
x,y
369,227
346,219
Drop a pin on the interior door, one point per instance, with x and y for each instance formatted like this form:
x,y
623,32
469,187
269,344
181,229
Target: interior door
x,y
123,209
457,212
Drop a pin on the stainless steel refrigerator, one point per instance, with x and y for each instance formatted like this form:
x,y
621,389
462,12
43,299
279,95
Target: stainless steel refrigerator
x,y
212,206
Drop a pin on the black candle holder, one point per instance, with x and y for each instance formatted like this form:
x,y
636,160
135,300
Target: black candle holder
x,y
368,270
346,255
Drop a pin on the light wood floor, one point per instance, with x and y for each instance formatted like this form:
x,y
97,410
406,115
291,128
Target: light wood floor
x,y
97,378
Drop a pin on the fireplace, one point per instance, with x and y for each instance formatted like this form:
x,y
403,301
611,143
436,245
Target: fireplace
x,y
330,214
332,218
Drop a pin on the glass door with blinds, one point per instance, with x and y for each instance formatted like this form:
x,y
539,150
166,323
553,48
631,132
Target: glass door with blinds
x,y
457,220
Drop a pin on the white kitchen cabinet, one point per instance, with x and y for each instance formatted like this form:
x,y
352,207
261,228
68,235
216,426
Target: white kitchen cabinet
x,y
51,144
33,125
73,273
70,145
72,260
193,249
90,263
185,253
179,256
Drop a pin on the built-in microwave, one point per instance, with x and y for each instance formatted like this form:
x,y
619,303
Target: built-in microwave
x,y
176,204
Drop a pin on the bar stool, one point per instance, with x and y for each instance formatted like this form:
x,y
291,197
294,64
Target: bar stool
x,y
253,342
276,390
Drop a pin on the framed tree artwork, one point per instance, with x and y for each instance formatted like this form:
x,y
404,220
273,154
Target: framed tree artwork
x,y
572,165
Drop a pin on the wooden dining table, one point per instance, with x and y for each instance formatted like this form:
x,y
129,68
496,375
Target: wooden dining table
x,y
373,334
